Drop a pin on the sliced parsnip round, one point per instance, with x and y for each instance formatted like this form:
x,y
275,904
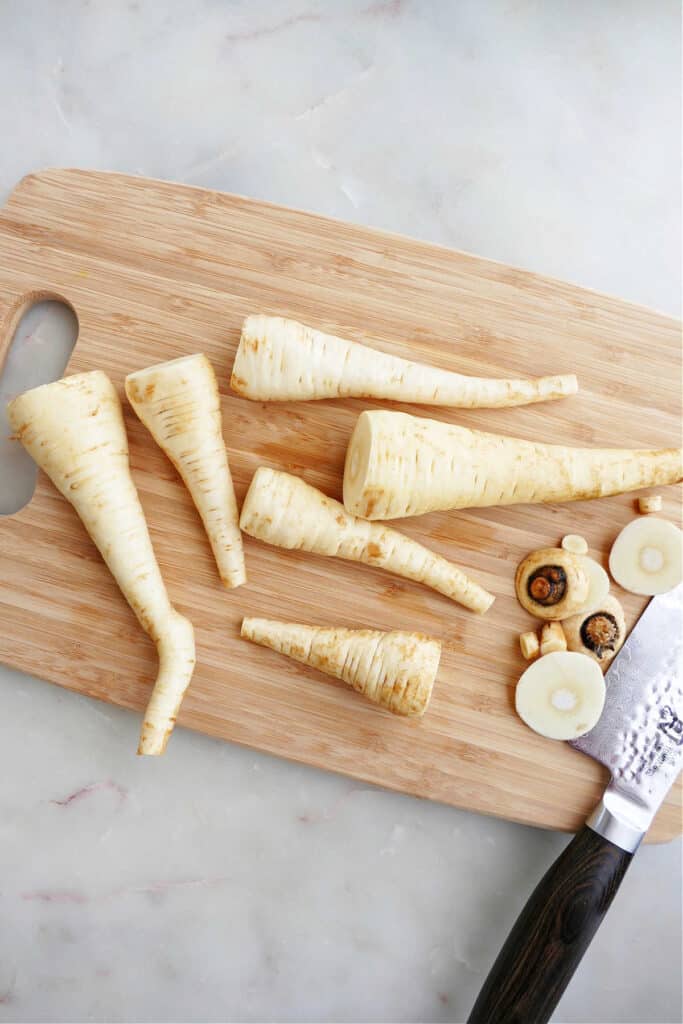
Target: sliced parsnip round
x,y
598,632
598,582
561,695
575,543
551,583
647,556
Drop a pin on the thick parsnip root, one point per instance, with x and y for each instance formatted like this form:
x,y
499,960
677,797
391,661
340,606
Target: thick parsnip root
x,y
282,360
285,511
400,465
396,670
179,404
74,430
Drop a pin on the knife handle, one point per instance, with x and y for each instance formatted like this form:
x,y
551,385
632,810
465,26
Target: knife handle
x,y
552,933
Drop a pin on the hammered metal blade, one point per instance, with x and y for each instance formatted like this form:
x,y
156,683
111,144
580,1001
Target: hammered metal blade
x,y
640,734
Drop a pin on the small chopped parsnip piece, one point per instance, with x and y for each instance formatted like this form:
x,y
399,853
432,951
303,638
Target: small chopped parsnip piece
x,y
647,556
529,645
401,465
396,670
552,638
561,696
551,583
576,544
650,503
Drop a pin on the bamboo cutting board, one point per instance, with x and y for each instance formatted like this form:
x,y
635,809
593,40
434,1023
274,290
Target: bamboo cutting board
x,y
155,271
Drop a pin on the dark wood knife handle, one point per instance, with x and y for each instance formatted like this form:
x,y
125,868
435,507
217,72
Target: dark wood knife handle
x,y
552,933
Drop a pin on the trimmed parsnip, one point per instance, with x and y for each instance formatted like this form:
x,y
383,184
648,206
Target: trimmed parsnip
x,y
396,670
74,430
179,404
281,360
283,510
399,465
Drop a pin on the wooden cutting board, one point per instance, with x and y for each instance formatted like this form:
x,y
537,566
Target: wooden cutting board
x,y
154,271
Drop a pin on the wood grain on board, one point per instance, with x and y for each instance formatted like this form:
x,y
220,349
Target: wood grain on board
x,y
156,270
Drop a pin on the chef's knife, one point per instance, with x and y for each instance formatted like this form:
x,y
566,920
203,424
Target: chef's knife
x,y
640,739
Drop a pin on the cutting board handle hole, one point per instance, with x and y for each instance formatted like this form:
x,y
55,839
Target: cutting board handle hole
x,y
43,340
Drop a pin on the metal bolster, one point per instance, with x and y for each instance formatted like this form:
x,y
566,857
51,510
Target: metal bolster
x,y
615,829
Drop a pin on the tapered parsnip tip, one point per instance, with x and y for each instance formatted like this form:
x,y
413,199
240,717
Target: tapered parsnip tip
x,y
153,741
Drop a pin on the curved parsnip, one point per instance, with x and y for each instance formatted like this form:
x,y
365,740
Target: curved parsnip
x,y
396,670
74,430
179,404
283,510
399,465
281,360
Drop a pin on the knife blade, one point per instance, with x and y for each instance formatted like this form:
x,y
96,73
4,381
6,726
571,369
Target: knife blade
x,y
639,738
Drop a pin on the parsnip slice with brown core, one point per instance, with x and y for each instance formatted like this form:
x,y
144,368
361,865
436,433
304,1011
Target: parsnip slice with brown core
x,y
399,465
561,696
647,556
179,404
283,510
282,360
599,631
551,583
395,670
74,430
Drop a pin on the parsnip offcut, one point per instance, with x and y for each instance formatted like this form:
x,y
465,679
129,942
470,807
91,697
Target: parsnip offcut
x,y
400,465
396,670
179,404
285,511
74,430
282,360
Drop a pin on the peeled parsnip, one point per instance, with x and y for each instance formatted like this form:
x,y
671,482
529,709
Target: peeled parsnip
x,y
282,360
179,404
396,670
399,465
74,430
285,511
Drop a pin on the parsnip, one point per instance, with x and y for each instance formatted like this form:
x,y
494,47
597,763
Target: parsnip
x,y
396,670
179,404
399,465
283,510
650,503
74,430
282,360
561,695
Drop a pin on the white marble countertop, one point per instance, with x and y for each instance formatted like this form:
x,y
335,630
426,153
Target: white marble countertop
x,y
220,884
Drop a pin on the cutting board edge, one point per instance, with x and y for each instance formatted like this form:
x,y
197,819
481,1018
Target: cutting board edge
x,y
51,172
